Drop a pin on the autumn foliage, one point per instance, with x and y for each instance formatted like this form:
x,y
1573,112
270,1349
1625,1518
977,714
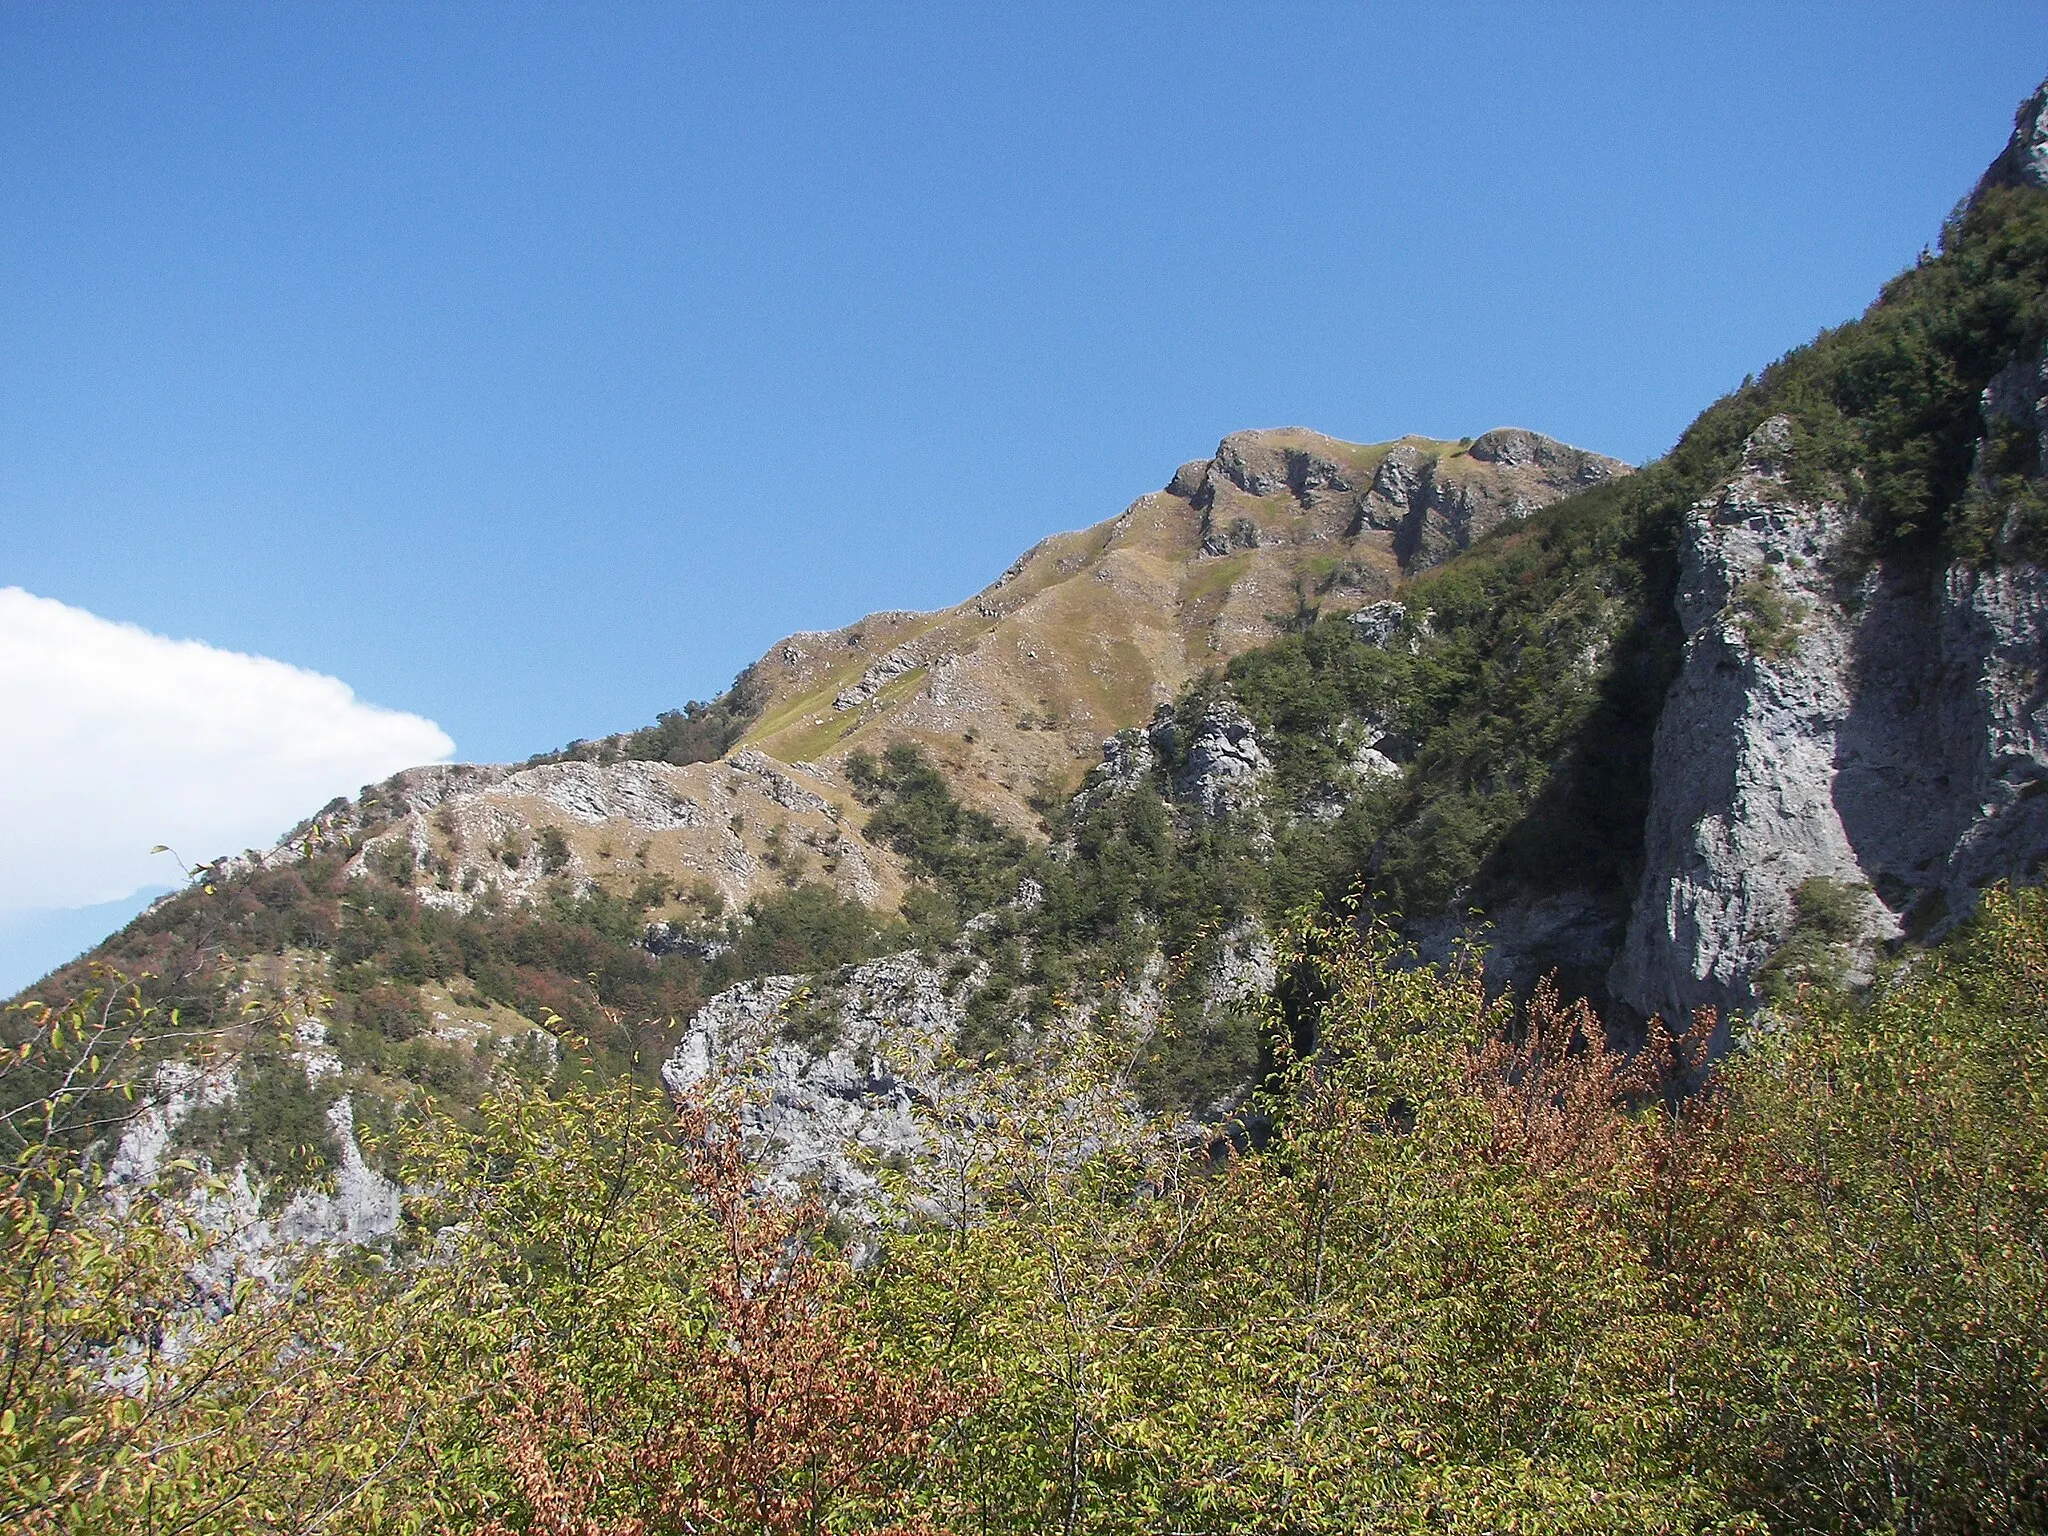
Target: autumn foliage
x,y
1466,1264
766,1411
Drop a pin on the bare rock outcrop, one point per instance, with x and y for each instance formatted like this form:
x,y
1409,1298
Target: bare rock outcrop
x,y
1221,762
248,1232
1424,499
1885,732
1435,505
835,1068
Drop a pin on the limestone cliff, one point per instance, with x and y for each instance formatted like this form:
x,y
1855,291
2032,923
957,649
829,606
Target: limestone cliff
x,y
1885,731
1879,725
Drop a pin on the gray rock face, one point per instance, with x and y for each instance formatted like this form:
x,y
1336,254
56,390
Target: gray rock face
x,y
678,939
1221,766
1247,965
879,1090
1741,806
2018,397
825,1114
1380,624
1523,940
1259,467
635,793
359,1207
1891,737
1433,512
1432,498
1942,760
1223,763
1369,762
877,677
1127,761
1514,448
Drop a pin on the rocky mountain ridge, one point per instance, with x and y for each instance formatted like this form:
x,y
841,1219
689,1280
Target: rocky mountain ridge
x,y
1085,634
466,833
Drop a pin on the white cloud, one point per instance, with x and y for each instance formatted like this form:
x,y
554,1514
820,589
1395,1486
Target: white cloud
x,y
118,739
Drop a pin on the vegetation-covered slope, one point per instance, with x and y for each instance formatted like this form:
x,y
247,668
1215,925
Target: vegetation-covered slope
x,y
1517,692
1476,1281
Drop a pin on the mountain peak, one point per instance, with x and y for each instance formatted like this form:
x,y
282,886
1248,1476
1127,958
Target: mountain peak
x,y
1089,631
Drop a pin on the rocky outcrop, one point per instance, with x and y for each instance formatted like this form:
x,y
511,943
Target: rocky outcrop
x,y
1127,762
1260,465
1741,808
460,834
1425,499
2024,162
833,1070
1885,733
249,1232
1570,934
1435,505
640,795
1212,763
2017,399
1381,623
877,677
1221,762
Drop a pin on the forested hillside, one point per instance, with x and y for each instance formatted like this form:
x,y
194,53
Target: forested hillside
x,y
1481,1275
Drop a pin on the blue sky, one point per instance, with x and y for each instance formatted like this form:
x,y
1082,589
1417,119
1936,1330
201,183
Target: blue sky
x,y
531,369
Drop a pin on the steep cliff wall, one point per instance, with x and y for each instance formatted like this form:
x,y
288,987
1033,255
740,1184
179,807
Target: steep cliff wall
x,y
1861,712
1880,727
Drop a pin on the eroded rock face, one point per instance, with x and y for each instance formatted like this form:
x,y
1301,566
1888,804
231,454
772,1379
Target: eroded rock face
x,y
1741,806
1222,765
1430,499
357,1206
1127,763
835,1096
1941,764
877,677
1886,733
640,795
1570,934
1433,511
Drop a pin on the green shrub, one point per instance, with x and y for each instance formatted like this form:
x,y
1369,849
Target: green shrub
x,y
395,1013
1769,617
1827,916
810,1019
800,931
275,1124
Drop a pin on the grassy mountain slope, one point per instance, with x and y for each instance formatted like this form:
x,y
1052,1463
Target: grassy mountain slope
x,y
1013,690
